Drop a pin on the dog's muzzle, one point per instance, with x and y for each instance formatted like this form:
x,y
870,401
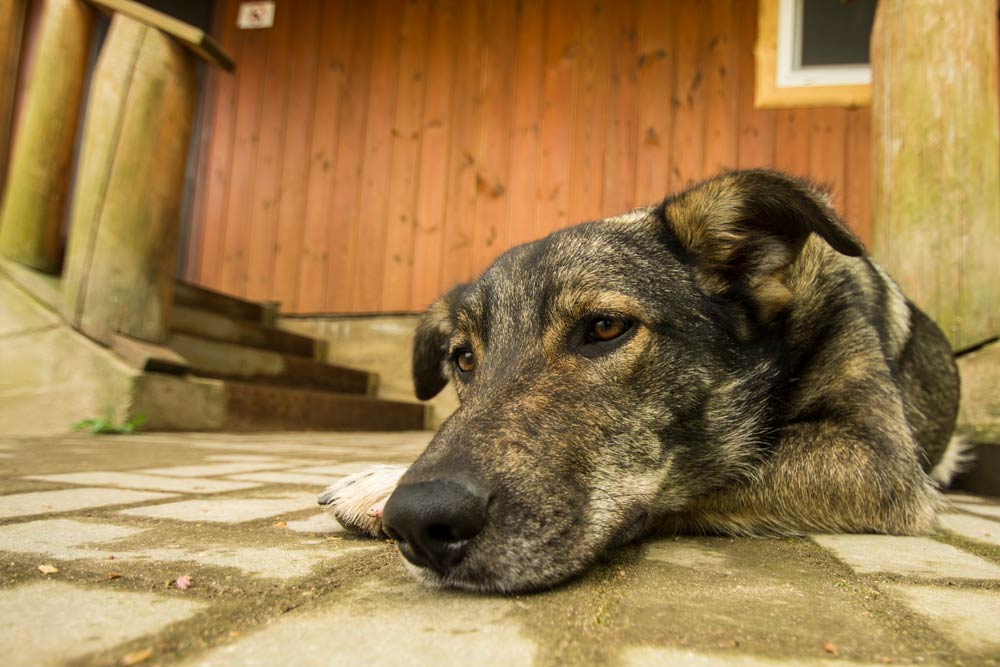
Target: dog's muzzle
x,y
433,522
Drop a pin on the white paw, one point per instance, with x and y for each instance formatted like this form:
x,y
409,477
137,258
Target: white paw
x,y
357,500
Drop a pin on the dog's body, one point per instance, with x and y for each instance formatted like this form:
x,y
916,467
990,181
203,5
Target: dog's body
x,y
728,361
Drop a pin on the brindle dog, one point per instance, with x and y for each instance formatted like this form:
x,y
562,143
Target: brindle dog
x,y
728,361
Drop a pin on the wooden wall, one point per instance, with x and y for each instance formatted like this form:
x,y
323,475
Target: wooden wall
x,y
367,156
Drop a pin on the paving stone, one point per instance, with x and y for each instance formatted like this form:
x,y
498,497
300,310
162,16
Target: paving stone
x,y
689,555
234,510
241,458
969,618
417,627
318,523
339,469
128,480
69,500
216,469
49,623
281,477
984,509
973,527
910,556
268,562
649,656
62,538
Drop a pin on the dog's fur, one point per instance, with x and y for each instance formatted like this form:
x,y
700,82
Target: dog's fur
x,y
773,381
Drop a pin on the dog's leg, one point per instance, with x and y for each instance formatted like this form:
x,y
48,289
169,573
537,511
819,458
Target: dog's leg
x,y
357,501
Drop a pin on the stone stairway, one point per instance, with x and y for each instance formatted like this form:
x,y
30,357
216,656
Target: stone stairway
x,y
273,379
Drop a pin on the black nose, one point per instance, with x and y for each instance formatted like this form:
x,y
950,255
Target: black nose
x,y
434,521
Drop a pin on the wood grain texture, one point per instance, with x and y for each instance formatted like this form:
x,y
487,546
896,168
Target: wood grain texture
x,y
457,129
936,175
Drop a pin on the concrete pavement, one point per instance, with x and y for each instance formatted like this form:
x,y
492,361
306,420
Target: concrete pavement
x,y
208,549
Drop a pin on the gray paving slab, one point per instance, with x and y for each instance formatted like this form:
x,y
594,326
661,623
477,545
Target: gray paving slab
x,y
651,656
217,469
419,627
50,623
282,477
70,500
981,508
236,510
65,539
128,480
318,523
973,527
920,557
267,562
338,469
969,618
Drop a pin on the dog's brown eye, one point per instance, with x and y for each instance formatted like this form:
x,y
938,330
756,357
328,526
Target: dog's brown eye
x,y
465,360
607,328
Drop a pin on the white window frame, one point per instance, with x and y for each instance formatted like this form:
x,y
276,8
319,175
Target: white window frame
x,y
791,73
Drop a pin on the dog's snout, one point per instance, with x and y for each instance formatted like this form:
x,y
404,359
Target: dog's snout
x,y
434,521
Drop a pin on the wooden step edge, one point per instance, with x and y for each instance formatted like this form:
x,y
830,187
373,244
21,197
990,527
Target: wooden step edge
x,y
213,326
194,296
149,357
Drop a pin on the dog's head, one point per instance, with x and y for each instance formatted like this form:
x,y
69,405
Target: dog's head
x,y
607,374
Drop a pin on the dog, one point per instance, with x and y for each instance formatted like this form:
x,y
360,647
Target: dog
x,y
728,361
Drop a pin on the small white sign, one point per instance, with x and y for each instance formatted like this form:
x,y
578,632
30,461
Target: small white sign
x,y
255,15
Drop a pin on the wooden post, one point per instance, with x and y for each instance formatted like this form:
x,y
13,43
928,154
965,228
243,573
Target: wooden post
x,y
126,212
936,159
12,14
38,177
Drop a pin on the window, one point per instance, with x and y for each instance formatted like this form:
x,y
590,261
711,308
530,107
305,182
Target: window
x,y
814,52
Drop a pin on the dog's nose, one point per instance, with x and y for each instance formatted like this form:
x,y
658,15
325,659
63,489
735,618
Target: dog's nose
x,y
434,521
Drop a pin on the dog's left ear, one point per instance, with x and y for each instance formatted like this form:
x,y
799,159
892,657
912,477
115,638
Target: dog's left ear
x,y
430,344
744,229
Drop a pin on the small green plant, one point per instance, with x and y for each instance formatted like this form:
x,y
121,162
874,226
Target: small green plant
x,y
108,425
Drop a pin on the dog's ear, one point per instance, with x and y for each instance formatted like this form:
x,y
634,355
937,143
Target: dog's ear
x,y
430,344
743,230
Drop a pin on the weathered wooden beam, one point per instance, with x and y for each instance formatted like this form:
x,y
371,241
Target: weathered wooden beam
x,y
936,159
201,44
126,212
12,14
39,170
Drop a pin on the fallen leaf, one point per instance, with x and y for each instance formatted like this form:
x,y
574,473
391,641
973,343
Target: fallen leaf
x,y
113,575
135,657
830,648
280,524
48,569
111,557
183,582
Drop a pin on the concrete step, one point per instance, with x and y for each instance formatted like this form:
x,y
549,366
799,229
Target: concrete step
x,y
262,407
229,361
193,296
224,328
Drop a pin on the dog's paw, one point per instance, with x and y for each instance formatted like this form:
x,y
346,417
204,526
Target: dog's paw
x,y
357,500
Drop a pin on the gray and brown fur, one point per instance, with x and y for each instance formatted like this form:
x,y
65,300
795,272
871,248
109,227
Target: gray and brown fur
x,y
774,381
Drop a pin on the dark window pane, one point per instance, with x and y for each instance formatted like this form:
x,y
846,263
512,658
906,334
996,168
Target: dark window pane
x,y
836,32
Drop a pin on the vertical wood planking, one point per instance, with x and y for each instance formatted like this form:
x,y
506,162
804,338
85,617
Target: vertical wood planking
x,y
687,143
618,192
656,62
219,152
432,190
323,155
266,191
499,23
377,159
529,116
459,227
406,129
249,99
590,119
558,113
344,214
524,178
756,126
295,163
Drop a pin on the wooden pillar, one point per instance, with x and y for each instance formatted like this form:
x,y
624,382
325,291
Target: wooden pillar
x,y
122,251
936,159
38,174
12,14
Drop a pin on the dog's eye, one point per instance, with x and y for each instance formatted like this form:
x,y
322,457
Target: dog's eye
x,y
465,360
605,328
